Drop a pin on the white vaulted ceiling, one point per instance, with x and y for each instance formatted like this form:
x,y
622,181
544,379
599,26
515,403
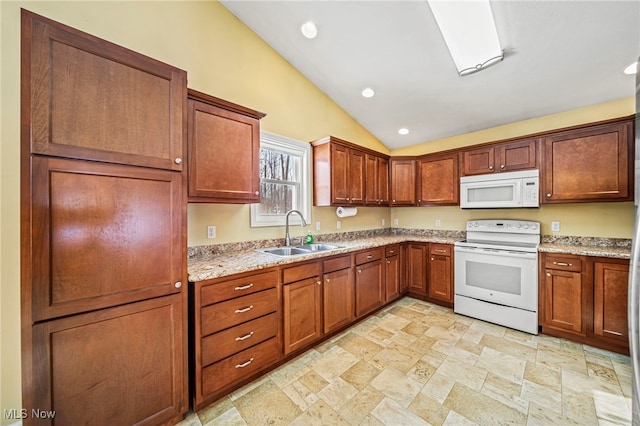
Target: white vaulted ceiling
x,y
559,55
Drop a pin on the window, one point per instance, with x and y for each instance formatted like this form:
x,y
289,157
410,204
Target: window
x,y
284,181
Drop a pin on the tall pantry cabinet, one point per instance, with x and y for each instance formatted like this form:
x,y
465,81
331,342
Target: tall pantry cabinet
x,y
103,219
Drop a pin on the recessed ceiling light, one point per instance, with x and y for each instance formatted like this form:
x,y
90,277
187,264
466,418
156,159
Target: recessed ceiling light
x,y
632,69
368,92
309,29
403,131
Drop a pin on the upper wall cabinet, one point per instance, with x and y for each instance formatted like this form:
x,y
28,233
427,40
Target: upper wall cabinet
x,y
93,100
403,182
377,180
504,157
438,180
589,164
223,151
338,173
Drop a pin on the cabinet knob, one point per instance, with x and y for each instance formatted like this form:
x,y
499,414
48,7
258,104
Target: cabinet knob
x,y
178,160
178,284
432,258
359,271
502,166
548,274
318,282
490,167
419,201
257,192
347,198
394,201
328,280
548,195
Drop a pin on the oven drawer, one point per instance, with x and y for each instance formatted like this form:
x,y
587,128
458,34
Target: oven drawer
x,y
563,262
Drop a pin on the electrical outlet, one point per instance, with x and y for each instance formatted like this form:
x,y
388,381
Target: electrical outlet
x,y
555,226
383,222
395,222
211,231
438,222
338,225
317,226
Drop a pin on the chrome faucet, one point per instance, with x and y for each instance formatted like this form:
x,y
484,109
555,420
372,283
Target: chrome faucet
x,y
287,238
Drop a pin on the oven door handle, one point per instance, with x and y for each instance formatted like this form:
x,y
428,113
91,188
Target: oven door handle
x,y
475,250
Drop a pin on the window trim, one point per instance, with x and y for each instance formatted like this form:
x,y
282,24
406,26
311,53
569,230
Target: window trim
x,y
291,146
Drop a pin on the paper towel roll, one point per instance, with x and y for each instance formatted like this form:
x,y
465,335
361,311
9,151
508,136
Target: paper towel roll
x,y
346,211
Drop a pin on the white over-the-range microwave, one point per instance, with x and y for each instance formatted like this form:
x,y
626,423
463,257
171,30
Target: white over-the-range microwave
x,y
501,190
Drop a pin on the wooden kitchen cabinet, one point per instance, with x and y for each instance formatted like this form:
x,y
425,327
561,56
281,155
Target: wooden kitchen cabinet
x,y
417,268
563,294
236,331
223,151
377,180
302,305
338,288
103,230
392,272
370,291
403,182
88,99
338,173
501,157
610,293
438,180
589,164
441,272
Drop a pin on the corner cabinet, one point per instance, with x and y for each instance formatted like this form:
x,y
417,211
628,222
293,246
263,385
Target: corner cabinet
x,y
223,151
589,164
103,231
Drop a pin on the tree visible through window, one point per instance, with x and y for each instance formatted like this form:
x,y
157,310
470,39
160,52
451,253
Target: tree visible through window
x,y
283,181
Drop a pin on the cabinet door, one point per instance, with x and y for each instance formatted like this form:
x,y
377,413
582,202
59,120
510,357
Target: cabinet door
x,y
356,173
369,287
440,278
520,155
417,268
392,277
592,164
102,235
610,282
438,180
478,161
89,99
339,164
383,181
403,182
122,365
371,180
224,155
338,288
564,301
302,313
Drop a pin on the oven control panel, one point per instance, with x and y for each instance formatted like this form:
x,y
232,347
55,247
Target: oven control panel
x,y
504,226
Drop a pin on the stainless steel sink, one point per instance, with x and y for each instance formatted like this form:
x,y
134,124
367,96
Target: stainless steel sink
x,y
284,251
318,247
298,250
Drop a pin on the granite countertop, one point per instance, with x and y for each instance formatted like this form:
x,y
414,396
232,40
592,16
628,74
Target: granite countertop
x,y
210,262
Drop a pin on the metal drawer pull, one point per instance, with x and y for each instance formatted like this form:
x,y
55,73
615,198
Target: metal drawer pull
x,y
245,337
440,250
244,364
244,287
243,310
563,264
391,251
370,256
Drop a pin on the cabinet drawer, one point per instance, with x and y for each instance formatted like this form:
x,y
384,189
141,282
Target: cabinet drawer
x,y
337,263
237,287
369,256
236,311
236,339
563,262
300,272
440,249
237,367
392,250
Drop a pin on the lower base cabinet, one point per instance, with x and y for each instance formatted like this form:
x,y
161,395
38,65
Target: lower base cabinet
x,y
337,293
113,366
584,298
370,292
392,273
441,273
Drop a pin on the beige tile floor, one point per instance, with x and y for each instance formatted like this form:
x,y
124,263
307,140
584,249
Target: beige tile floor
x,y
415,363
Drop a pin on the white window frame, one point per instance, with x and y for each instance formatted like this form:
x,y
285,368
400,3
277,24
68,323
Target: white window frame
x,y
303,150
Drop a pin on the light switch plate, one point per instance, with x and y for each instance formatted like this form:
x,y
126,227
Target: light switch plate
x,y
211,231
555,226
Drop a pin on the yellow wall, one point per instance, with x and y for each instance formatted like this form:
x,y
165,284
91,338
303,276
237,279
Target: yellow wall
x,y
225,59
